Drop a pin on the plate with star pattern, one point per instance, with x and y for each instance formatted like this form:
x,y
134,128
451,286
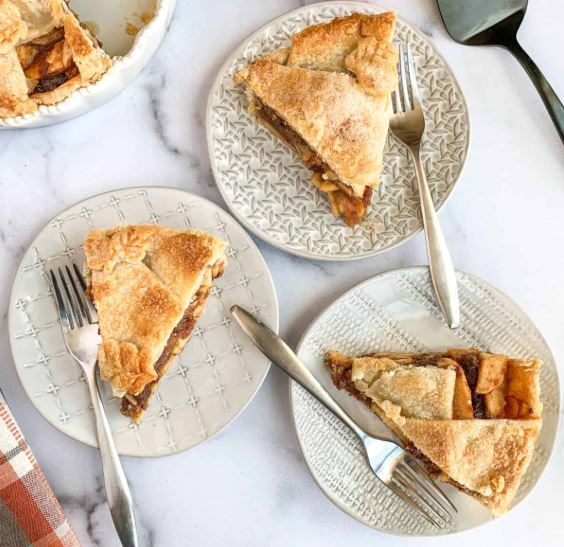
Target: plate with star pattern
x,y
209,383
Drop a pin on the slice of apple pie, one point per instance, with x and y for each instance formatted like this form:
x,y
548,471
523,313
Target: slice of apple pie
x,y
45,54
327,97
471,417
149,285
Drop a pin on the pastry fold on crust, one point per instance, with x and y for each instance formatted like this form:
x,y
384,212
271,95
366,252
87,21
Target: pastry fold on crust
x,y
45,54
327,96
487,458
149,285
471,417
326,46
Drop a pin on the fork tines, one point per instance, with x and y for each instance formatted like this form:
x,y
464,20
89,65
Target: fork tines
x,y
406,97
414,480
70,293
410,482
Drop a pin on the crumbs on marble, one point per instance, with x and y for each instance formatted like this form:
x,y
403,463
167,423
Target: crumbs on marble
x,y
144,18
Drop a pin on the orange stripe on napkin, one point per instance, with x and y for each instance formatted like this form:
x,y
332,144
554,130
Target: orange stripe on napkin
x,y
7,475
21,503
25,493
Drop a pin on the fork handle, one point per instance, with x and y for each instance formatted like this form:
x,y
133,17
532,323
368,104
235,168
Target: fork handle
x,y
117,489
283,357
442,271
548,95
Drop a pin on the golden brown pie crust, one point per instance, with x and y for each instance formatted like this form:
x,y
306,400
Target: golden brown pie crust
x,y
142,280
331,90
472,417
45,54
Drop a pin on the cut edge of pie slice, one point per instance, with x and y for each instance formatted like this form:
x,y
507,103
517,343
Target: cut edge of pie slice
x,y
149,285
472,418
45,55
328,98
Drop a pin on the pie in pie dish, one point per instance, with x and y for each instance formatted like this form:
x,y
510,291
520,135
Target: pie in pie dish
x,y
149,285
45,54
327,96
470,417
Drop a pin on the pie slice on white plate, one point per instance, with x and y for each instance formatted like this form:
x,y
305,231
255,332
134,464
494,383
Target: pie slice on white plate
x,y
149,285
327,97
472,418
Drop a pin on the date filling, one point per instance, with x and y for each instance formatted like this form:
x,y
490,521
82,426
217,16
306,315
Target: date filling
x,y
47,62
134,405
352,208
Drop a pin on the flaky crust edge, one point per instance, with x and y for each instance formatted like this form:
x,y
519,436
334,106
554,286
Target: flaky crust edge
x,y
92,62
365,29
104,249
512,470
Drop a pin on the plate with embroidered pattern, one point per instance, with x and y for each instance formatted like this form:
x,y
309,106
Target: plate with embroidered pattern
x,y
209,383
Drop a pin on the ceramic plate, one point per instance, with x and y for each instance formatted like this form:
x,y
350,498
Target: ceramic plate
x,y
396,311
126,37
270,192
211,381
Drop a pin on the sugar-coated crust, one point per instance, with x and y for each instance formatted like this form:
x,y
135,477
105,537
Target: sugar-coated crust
x,y
12,26
279,56
14,100
346,126
142,279
332,87
374,64
325,46
487,457
21,22
417,392
92,62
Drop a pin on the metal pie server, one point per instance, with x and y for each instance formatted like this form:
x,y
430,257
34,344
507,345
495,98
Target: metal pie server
x,y
395,467
495,23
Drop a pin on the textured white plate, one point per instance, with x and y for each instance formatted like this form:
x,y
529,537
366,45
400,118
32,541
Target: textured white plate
x,y
209,384
396,311
131,54
270,192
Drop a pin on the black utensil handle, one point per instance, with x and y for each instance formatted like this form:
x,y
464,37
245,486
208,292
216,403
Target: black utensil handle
x,y
548,95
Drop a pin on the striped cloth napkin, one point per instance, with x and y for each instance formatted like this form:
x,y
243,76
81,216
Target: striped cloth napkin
x,y
29,512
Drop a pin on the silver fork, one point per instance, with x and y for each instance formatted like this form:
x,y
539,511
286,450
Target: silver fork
x,y
80,331
399,471
408,125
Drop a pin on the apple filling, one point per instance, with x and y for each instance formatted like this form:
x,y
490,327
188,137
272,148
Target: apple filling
x,y
343,203
134,405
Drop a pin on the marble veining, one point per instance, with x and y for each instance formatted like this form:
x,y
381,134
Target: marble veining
x,y
249,485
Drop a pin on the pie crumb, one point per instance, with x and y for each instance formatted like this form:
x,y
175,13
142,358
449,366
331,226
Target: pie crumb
x,y
146,17
131,29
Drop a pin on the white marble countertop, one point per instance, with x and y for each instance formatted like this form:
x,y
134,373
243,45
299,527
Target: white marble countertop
x,y
249,485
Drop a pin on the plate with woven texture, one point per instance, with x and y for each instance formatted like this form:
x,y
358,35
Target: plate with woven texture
x,y
269,190
396,311
209,383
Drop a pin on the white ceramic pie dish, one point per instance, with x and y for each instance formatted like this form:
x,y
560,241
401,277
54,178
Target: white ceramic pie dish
x,y
112,20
